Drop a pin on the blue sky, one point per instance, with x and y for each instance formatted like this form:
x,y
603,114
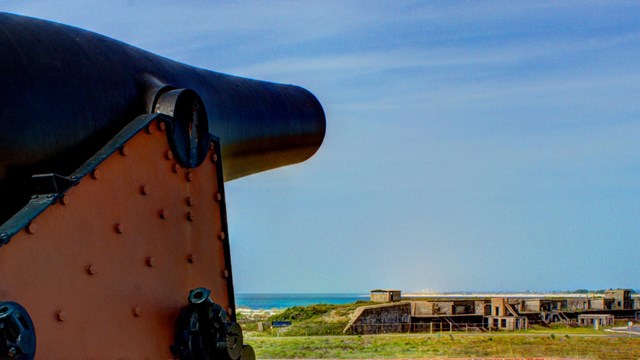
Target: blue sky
x,y
471,145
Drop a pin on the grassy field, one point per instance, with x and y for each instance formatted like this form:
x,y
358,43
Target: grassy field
x,y
582,346
316,332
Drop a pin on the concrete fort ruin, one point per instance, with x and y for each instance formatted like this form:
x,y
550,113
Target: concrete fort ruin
x,y
489,312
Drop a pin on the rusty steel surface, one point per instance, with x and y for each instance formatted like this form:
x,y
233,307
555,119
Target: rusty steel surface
x,y
104,271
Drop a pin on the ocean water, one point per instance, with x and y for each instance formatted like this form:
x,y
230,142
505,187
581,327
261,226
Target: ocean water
x,y
283,301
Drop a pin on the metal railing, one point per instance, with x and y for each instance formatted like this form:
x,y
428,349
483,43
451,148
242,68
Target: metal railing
x,y
430,327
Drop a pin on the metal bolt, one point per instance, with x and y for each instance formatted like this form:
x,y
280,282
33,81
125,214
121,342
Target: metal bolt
x,y
225,274
211,145
119,228
124,151
60,316
229,310
95,174
31,228
191,258
222,235
218,196
64,200
151,261
144,190
189,177
136,311
149,129
176,168
190,201
214,158
161,125
91,270
162,214
190,216
169,155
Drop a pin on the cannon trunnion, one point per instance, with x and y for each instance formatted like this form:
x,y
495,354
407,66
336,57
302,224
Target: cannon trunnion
x,y
114,241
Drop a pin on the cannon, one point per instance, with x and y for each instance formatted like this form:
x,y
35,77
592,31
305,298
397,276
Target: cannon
x,y
114,240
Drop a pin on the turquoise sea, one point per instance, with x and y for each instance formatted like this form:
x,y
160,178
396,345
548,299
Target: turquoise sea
x,y
283,301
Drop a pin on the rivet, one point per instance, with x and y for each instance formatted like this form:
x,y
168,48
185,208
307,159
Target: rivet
x,y
31,228
229,310
144,190
176,168
225,274
136,311
222,235
190,201
91,270
124,151
189,176
211,145
169,155
60,316
151,261
64,200
161,125
162,214
218,196
95,174
149,129
191,258
190,216
214,157
119,228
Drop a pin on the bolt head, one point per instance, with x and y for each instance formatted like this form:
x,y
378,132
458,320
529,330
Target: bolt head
x,y
189,177
150,129
64,200
119,228
214,158
91,269
31,228
162,214
144,189
60,315
95,174
222,235
176,168
190,216
191,258
136,311
161,125
124,151
218,197
151,261
169,155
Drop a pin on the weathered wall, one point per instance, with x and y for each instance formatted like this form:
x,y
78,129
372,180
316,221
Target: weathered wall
x,y
382,318
422,308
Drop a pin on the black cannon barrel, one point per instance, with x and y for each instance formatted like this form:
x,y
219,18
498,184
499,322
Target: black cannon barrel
x,y
65,91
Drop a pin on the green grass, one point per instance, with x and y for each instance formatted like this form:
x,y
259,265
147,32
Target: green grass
x,y
320,319
316,332
446,345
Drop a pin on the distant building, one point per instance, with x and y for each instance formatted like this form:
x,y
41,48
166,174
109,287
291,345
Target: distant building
x,y
383,295
621,299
